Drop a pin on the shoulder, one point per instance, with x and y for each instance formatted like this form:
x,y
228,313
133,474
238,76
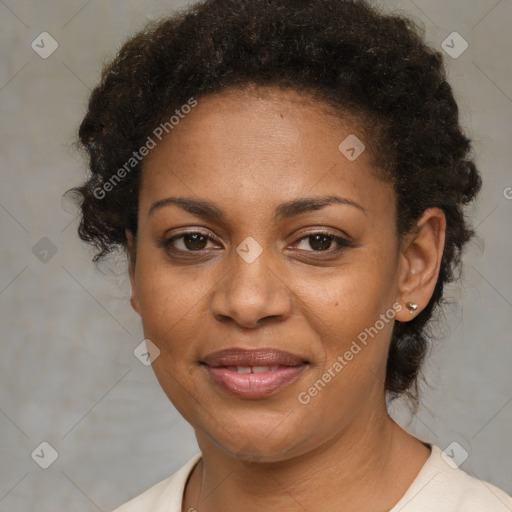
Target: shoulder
x,y
471,494
443,487
166,495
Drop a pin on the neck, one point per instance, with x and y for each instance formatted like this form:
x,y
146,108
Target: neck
x,y
367,467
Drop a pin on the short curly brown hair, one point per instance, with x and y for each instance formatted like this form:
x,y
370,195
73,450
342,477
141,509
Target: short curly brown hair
x,y
344,52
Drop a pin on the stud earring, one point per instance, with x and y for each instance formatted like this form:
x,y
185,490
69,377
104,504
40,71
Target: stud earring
x,y
412,306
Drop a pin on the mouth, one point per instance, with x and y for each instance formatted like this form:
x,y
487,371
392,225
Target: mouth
x,y
253,373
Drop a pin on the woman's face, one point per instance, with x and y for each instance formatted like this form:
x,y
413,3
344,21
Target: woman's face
x,y
264,274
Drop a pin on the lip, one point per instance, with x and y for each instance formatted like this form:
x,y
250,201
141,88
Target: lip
x,y
221,367
252,357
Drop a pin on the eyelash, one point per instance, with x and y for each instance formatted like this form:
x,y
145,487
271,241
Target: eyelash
x,y
342,242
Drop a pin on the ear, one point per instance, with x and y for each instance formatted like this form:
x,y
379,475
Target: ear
x,y
131,250
421,253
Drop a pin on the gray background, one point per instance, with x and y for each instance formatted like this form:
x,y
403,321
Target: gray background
x,y
68,373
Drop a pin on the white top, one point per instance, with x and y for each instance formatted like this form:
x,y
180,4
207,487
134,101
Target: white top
x,y
437,488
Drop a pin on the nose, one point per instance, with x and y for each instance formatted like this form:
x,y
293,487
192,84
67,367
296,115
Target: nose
x,y
251,294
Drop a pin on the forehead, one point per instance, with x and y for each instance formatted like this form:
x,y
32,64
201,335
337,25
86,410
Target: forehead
x,y
262,144
285,111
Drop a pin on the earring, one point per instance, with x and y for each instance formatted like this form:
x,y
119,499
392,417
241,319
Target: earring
x,y
412,306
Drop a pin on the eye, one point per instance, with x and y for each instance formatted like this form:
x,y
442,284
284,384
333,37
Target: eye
x,y
197,241
321,242
189,241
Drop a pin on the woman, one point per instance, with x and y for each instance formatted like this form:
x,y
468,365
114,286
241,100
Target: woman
x,y
288,180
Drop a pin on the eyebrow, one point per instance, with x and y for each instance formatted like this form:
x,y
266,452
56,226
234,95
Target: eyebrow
x,y
286,210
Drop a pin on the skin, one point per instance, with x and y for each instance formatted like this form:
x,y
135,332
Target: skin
x,y
248,151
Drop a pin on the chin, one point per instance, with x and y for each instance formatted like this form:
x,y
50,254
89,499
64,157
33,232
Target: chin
x,y
254,442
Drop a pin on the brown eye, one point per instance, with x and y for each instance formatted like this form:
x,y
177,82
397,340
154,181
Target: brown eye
x,y
321,242
192,241
195,241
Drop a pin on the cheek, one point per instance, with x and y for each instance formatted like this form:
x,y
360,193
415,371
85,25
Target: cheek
x,y
171,317
347,299
343,308
169,301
